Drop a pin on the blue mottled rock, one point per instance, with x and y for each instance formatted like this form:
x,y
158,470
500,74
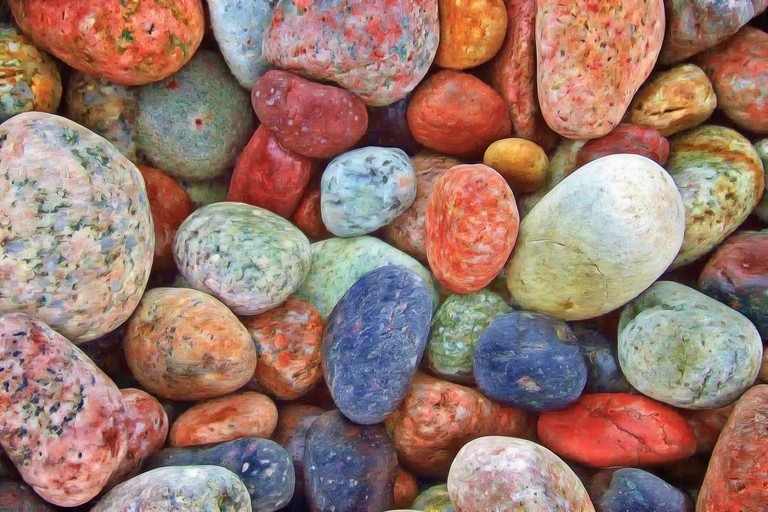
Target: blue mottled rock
x,y
338,262
531,361
599,351
248,257
239,27
348,467
264,467
374,341
635,490
679,346
179,488
365,189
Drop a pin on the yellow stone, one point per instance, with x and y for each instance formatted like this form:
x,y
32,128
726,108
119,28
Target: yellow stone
x,y
523,163
471,32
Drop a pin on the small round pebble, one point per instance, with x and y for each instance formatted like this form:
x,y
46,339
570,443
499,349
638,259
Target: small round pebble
x,y
471,33
434,499
523,163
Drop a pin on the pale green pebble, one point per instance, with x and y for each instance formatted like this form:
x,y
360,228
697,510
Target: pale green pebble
x,y
434,499
203,193
337,263
762,208
456,329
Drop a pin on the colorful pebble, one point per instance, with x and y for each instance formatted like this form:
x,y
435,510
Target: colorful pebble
x,y
626,138
434,499
635,490
523,163
471,33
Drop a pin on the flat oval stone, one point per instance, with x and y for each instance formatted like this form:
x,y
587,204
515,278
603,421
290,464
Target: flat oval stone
x,y
239,27
681,347
183,344
263,466
523,163
338,263
365,189
627,138
471,33
335,41
17,497
78,435
639,491
531,361
592,59
248,257
576,246
734,479
434,499
603,430
504,473
194,124
374,341
78,229
456,329
388,127
181,489
348,466
599,351
719,176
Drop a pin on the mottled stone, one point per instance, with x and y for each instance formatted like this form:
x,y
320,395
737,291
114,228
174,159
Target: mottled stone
x,y
707,425
248,257
598,239
674,100
456,329
592,59
365,189
348,466
374,342
626,138
388,127
338,263
59,411
471,33
681,347
523,163
604,430
504,473
206,192
77,230
246,414
17,497
380,61
636,490
599,352
263,466
181,489
406,488
434,499
239,27
183,344
132,43
194,124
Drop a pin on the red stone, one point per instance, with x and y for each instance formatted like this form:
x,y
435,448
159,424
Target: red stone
x,y
307,215
269,176
604,430
627,138
706,425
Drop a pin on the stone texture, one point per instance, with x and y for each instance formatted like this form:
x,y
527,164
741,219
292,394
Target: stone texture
x,y
523,163
471,33
626,138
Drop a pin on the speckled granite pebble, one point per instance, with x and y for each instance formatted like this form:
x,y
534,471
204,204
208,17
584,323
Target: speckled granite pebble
x,y
76,227
684,348
599,351
194,124
17,497
264,467
348,467
636,490
505,473
374,342
248,257
181,489
63,424
471,33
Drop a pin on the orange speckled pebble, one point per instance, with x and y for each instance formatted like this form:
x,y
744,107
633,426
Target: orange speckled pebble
x,y
470,227
288,339
247,414
130,42
471,32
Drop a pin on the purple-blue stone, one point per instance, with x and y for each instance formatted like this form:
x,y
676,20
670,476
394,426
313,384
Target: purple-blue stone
x,y
635,490
603,371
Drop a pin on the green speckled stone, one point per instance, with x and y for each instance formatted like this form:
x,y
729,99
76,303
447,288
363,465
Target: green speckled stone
x,y
720,178
683,348
761,211
207,192
434,499
456,329
195,123
337,263
248,257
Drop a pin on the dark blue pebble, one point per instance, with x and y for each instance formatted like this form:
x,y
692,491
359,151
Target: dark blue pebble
x,y
264,466
388,127
531,361
603,371
348,467
374,341
635,490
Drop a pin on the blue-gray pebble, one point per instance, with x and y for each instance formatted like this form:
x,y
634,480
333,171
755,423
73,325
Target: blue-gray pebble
x,y
374,342
635,490
531,361
603,371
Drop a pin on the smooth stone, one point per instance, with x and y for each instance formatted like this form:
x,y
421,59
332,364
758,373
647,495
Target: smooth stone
x,y
627,138
600,353
471,33
523,163
636,490
434,499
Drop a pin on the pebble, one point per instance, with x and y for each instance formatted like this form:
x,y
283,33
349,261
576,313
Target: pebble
x,y
434,499
635,490
17,497
365,189
628,139
63,424
207,192
406,488
599,352
603,430
194,124
78,237
505,473
248,257
245,414
183,344
335,40
308,216
374,342
263,466
522,163
471,33
388,127
181,489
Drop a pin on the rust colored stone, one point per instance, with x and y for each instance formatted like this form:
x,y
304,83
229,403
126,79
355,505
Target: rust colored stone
x,y
627,138
406,488
307,215
706,425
